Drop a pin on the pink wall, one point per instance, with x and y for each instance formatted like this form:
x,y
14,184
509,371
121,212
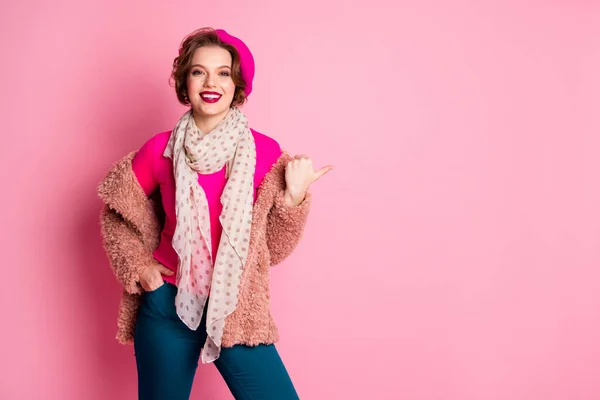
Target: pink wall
x,y
453,253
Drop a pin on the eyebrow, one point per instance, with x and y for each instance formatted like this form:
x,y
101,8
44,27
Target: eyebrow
x,y
202,66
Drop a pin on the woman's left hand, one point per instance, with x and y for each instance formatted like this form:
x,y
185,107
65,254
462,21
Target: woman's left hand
x,y
299,175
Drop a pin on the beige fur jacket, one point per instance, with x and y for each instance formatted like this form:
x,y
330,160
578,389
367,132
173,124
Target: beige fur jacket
x,y
131,225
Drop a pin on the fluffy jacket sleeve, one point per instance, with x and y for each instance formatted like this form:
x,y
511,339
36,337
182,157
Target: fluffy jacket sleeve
x,y
127,255
129,225
285,224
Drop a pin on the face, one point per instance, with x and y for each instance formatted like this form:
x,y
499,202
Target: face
x,y
210,88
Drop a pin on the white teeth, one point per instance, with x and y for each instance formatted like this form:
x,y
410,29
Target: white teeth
x,y
210,96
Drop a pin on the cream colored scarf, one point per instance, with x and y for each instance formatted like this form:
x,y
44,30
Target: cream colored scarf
x,y
229,144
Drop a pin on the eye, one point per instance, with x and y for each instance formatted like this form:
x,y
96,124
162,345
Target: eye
x,y
197,72
225,73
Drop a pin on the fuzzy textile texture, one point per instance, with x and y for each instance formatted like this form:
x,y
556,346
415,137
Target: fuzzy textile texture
x,y
130,225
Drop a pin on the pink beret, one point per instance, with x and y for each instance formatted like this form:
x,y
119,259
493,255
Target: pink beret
x,y
246,59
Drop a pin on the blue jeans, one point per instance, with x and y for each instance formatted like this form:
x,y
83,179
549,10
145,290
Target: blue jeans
x,y
167,354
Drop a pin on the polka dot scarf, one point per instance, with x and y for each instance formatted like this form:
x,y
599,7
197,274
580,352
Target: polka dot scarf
x,y
229,144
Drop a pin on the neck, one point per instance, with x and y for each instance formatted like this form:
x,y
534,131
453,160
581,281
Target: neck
x,y
207,123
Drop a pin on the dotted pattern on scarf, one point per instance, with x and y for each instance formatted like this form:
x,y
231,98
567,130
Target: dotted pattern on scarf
x,y
229,144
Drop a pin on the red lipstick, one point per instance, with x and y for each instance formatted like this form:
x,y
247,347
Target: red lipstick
x,y
210,97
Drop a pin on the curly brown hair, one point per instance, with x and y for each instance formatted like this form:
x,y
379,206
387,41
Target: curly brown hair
x,y
183,62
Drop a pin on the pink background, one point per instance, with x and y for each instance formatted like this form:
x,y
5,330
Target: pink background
x,y
453,253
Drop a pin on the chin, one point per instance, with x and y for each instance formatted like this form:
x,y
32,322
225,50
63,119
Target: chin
x,y
210,112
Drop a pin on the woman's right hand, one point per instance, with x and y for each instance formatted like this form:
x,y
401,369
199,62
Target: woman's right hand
x,y
151,279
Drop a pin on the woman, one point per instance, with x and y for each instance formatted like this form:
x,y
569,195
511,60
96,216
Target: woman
x,y
191,224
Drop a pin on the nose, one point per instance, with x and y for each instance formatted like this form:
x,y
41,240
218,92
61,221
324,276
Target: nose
x,y
209,81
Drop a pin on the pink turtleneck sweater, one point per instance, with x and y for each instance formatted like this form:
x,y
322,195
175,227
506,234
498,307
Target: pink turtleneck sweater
x,y
153,171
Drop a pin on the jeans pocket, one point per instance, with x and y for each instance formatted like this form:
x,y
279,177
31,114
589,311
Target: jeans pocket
x,y
160,302
157,289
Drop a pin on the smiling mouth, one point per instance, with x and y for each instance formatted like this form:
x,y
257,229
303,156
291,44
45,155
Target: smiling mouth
x,y
210,97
